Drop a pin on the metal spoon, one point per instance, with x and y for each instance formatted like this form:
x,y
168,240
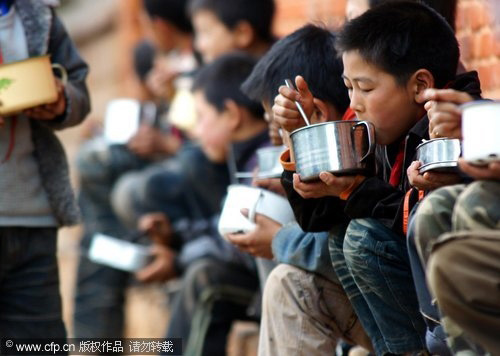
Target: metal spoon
x,y
289,84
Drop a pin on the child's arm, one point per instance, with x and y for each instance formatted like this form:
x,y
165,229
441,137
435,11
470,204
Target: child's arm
x,y
445,120
257,242
430,180
75,94
489,172
313,215
445,116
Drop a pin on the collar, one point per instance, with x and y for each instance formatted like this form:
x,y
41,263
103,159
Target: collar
x,y
37,21
244,149
5,7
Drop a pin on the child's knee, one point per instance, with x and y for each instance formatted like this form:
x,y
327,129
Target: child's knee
x,y
478,206
281,284
358,245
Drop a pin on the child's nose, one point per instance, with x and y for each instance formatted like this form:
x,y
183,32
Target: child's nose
x,y
356,103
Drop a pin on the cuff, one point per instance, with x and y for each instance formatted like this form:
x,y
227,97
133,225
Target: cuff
x,y
286,162
356,182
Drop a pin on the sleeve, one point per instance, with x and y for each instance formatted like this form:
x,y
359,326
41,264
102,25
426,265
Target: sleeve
x,y
306,250
200,239
64,52
313,215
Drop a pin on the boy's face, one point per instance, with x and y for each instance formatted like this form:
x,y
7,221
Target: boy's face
x,y
212,129
377,97
162,33
212,37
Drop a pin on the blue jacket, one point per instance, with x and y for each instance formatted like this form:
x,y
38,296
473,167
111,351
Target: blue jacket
x,y
305,250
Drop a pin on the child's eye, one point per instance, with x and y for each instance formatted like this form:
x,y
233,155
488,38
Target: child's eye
x,y
365,90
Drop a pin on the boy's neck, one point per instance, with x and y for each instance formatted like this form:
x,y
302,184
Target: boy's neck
x,y
184,42
258,48
249,128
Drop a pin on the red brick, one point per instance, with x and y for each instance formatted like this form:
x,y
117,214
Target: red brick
x,y
486,44
465,42
462,21
496,40
337,7
487,76
496,74
476,15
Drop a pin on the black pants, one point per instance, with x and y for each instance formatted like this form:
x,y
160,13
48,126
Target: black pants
x,y
213,295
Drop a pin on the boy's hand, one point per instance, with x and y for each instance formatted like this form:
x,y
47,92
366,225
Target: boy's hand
x,y
49,111
285,113
329,185
272,184
275,133
488,172
160,78
257,242
149,141
157,226
161,269
445,116
430,180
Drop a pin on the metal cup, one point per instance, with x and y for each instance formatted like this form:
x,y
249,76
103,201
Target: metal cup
x,y
339,147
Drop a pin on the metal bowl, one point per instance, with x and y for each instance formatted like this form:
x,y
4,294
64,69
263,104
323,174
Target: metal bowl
x,y
339,147
269,161
439,155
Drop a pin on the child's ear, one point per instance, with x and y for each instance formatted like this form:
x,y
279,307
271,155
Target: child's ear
x,y
325,112
244,34
421,80
233,114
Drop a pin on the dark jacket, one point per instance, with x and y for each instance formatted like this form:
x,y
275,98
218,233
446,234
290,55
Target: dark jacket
x,y
46,34
199,238
374,197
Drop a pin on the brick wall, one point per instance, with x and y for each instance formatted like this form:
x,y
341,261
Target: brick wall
x,y
475,32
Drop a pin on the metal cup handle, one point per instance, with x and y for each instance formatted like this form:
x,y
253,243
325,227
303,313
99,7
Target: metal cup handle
x,y
253,210
370,131
64,73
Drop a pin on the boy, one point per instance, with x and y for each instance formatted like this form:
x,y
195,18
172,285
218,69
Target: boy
x,y
222,26
470,257
36,197
306,276
460,221
218,281
391,54
466,249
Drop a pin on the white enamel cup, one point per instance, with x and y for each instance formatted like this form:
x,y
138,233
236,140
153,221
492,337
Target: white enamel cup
x,y
257,201
119,254
481,131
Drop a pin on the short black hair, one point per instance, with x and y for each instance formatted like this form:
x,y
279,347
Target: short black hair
x,y
221,79
402,37
258,13
446,8
172,11
309,52
143,57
